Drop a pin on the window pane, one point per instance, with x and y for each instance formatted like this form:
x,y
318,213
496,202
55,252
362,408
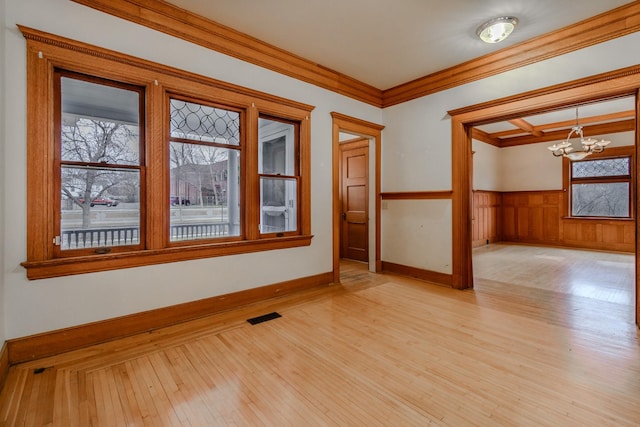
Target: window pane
x,y
276,148
610,199
203,123
100,207
205,192
599,168
100,124
278,205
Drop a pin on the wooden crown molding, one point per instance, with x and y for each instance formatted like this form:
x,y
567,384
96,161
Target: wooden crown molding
x,y
102,53
169,19
615,23
177,22
496,111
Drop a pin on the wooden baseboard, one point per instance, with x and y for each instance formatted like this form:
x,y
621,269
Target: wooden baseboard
x,y
4,364
63,340
418,273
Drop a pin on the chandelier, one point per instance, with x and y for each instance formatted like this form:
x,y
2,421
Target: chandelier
x,y
587,145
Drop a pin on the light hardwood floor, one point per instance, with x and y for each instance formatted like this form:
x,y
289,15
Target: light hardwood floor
x,y
376,350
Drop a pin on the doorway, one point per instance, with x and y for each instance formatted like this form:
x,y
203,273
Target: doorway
x,y
343,126
354,194
610,85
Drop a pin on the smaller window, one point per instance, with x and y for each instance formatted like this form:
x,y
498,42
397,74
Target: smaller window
x,y
279,174
601,187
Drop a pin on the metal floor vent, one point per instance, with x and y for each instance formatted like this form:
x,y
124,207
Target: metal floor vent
x,y
263,318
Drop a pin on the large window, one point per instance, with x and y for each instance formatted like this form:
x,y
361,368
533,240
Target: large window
x,y
99,164
205,170
602,186
131,163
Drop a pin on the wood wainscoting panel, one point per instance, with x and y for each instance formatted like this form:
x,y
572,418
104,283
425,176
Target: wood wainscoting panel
x,y
600,234
531,216
486,217
538,217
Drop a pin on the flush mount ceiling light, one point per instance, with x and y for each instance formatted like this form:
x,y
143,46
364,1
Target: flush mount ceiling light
x,y
497,29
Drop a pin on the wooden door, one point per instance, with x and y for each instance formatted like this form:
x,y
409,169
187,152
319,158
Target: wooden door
x,y
355,200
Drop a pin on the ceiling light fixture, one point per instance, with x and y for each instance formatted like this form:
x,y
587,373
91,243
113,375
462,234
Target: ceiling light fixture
x,y
497,29
588,145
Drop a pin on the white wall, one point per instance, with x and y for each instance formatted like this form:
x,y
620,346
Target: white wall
x,y
487,168
416,157
3,101
530,167
42,305
413,230
417,143
533,167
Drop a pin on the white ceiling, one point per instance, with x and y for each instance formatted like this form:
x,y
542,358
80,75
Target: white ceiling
x,y
389,42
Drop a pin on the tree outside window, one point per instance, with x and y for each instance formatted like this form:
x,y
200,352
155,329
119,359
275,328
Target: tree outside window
x,y
601,187
99,154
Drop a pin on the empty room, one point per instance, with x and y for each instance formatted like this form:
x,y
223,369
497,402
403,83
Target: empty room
x,y
319,213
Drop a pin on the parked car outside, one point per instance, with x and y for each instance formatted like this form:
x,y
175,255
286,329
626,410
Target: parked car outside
x,y
175,200
104,201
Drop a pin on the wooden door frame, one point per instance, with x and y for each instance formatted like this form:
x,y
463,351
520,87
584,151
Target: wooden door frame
x,y
603,86
343,123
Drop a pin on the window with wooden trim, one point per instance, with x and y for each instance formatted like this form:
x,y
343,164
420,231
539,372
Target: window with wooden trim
x,y
279,172
602,185
99,164
205,162
132,163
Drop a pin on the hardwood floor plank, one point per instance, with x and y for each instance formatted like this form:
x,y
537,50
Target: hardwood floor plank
x,y
376,350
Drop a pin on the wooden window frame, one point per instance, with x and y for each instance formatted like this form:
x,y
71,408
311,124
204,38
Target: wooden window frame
x,y
609,153
58,252
241,148
47,53
296,174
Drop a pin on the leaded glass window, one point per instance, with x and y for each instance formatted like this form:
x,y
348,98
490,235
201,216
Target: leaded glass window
x,y
205,170
601,187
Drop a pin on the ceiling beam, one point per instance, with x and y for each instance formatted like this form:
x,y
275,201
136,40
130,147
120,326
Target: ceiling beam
x,y
560,135
629,114
483,136
526,126
564,125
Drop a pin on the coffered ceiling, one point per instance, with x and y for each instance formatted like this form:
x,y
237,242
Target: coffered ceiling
x,y
598,119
